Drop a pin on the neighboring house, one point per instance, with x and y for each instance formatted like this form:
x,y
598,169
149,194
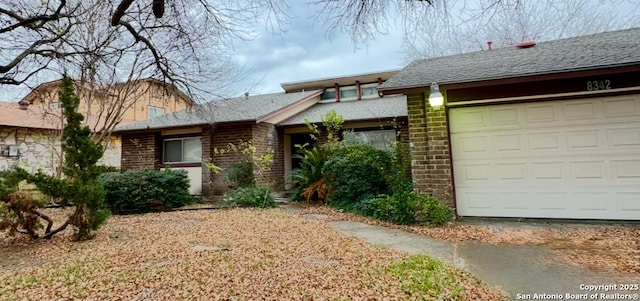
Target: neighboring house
x,y
549,130
41,122
131,101
28,138
271,121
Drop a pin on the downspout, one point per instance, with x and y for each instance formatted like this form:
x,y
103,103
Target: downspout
x,y
358,92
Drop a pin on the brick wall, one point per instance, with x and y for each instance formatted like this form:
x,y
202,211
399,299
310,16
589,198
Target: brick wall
x,y
222,136
430,155
266,136
140,151
207,153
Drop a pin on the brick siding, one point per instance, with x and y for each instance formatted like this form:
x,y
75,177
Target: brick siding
x,y
430,153
222,136
265,137
207,152
140,151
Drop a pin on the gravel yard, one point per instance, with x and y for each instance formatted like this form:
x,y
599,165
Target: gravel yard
x,y
600,247
237,254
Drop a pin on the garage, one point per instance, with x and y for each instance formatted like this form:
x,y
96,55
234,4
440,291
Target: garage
x,y
575,159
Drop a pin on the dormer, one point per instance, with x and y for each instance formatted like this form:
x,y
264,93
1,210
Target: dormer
x,y
344,88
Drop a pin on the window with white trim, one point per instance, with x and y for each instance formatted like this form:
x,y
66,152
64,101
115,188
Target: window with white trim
x,y
348,93
369,91
54,105
380,139
153,112
182,150
328,94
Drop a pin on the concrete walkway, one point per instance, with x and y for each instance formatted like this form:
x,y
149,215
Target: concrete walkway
x,y
524,270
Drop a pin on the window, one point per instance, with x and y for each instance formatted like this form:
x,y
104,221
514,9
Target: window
x,y
369,92
346,94
153,112
328,94
380,139
182,150
54,105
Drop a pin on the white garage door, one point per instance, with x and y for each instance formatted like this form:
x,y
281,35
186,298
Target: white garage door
x,y
557,159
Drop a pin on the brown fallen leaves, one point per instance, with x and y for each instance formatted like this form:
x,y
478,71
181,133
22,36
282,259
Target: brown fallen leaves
x,y
598,247
253,255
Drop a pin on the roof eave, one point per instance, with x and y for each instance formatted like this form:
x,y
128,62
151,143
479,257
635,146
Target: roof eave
x,y
289,107
623,67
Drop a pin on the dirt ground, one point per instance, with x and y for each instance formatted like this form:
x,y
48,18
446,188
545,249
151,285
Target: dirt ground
x,y
601,247
235,254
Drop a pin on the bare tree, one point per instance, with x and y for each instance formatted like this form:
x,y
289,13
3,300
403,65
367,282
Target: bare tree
x,y
440,27
188,47
508,22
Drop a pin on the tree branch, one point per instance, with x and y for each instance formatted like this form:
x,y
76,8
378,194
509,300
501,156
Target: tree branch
x,y
31,22
156,55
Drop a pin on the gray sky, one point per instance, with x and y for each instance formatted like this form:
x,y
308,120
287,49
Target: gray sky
x,y
303,51
300,50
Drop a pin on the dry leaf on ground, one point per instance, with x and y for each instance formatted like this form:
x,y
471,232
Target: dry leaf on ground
x,y
239,254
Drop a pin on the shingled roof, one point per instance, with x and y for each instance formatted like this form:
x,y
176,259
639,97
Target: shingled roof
x,y
249,108
596,51
32,117
365,109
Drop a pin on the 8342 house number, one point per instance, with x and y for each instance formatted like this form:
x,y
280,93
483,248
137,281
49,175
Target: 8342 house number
x,y
595,85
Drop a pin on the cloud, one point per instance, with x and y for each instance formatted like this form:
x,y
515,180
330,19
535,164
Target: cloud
x,y
303,51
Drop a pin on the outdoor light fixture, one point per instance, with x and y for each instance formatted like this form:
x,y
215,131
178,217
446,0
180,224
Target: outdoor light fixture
x,y
436,99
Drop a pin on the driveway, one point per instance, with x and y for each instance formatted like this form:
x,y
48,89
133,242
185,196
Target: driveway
x,y
522,270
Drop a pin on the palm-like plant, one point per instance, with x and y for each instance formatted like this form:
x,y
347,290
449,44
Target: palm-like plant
x,y
307,179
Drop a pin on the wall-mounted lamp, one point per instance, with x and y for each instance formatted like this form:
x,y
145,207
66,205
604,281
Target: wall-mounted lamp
x,y
436,99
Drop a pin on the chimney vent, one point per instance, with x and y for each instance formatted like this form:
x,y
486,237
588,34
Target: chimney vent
x,y
24,105
526,44
246,95
489,47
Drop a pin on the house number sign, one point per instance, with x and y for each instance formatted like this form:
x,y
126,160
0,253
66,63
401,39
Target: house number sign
x,y
595,85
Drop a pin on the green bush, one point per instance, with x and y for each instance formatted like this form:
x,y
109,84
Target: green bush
x,y
146,190
430,211
106,168
356,173
240,174
407,208
396,208
250,196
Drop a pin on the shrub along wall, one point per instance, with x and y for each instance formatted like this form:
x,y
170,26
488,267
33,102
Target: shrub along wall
x,y
145,190
367,181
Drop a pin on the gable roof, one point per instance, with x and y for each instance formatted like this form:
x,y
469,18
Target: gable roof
x,y
596,51
364,109
249,108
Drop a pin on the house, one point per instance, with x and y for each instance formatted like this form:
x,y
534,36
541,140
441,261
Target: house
x,y
538,130
274,121
121,103
31,137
